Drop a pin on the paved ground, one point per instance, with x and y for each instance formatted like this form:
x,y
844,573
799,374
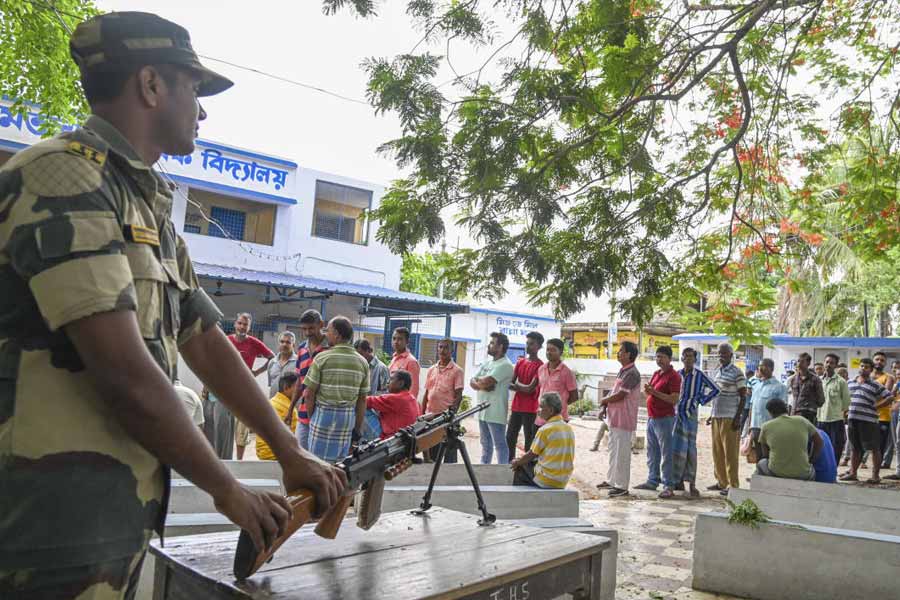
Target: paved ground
x,y
656,542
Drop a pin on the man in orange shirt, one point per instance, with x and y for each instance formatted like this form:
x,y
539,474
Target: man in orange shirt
x,y
404,360
444,385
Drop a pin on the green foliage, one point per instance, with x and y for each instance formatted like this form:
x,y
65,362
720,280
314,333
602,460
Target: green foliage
x,y
629,145
746,513
580,407
431,274
35,65
383,356
811,255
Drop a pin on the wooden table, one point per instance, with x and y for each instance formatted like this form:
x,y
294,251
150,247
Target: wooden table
x,y
444,554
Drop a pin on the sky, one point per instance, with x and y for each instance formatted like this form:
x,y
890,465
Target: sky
x,y
296,41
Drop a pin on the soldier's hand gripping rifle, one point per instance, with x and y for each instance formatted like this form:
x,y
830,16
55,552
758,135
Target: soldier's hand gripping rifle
x,y
367,469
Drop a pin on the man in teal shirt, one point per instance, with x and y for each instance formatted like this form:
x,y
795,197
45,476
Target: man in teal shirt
x,y
765,388
492,384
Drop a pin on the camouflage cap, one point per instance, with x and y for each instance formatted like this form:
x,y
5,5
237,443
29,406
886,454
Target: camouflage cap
x,y
127,40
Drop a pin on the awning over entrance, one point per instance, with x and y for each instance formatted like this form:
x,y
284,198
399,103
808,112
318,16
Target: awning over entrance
x,y
380,301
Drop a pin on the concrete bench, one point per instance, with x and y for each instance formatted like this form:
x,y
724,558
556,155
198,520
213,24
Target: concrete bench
x,y
783,560
454,474
249,469
850,494
188,498
817,510
505,501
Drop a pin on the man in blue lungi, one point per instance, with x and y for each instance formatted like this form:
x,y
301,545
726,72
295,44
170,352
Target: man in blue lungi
x,y
696,389
336,387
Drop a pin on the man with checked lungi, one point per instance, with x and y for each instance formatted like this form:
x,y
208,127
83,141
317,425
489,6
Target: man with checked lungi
x,y
696,389
336,387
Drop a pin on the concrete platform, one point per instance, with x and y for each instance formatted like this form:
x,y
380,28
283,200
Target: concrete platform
x,y
783,560
850,494
823,512
505,501
188,498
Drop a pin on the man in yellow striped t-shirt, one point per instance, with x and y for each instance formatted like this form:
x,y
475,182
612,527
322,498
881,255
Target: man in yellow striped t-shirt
x,y
550,461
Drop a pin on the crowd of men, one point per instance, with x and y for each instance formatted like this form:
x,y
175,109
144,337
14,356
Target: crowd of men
x,y
332,394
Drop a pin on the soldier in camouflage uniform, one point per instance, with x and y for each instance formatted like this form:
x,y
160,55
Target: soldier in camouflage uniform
x,y
99,297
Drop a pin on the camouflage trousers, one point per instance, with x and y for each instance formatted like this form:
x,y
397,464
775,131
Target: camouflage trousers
x,y
112,580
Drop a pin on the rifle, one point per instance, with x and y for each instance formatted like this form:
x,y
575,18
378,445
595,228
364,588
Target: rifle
x,y
368,467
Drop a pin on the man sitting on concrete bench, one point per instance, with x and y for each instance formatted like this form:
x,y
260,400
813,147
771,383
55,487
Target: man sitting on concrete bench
x,y
783,444
550,461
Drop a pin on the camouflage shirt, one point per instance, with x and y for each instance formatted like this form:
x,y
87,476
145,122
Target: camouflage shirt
x,y
84,228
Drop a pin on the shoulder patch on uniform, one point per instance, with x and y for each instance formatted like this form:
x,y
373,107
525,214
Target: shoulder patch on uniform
x,y
141,235
92,154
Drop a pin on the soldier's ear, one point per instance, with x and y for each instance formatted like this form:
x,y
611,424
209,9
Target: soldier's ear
x,y
150,86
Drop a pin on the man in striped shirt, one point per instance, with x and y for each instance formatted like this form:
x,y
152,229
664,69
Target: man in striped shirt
x,y
550,461
866,397
311,326
336,388
727,408
696,389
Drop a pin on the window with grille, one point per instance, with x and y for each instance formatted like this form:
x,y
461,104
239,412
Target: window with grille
x,y
339,213
242,220
230,223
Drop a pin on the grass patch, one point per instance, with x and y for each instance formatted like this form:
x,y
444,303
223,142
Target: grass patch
x,y
746,513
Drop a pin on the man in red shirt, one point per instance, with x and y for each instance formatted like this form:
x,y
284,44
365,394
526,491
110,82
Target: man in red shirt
x,y
396,409
662,395
250,348
525,401
404,360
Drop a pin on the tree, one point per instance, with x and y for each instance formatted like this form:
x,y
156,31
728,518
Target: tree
x,y
431,274
617,133
812,258
35,66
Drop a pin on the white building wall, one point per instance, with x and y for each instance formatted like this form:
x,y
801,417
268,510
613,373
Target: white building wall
x,y
245,174
321,258
479,324
785,356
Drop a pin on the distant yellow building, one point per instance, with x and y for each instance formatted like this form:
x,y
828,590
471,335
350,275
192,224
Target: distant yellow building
x,y
591,340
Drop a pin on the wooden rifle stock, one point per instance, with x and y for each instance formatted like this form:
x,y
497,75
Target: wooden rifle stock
x,y
330,522
248,559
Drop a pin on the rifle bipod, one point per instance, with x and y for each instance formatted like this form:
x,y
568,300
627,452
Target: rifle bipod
x,y
453,441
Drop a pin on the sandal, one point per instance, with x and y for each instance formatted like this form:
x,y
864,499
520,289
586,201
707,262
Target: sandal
x,y
873,480
603,486
848,477
666,493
